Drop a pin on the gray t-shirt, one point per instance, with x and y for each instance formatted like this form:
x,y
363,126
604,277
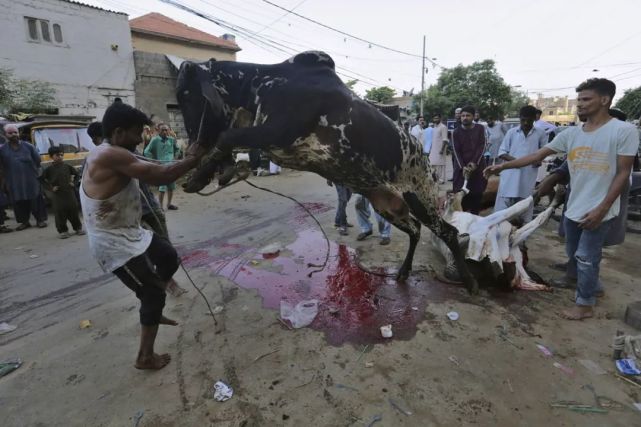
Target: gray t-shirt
x,y
592,158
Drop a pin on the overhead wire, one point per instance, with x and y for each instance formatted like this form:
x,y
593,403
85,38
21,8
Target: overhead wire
x,y
369,42
266,41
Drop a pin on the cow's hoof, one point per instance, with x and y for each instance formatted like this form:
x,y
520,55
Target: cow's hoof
x,y
402,275
451,273
193,186
227,175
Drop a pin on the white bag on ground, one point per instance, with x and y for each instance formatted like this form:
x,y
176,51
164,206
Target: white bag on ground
x,y
300,315
274,168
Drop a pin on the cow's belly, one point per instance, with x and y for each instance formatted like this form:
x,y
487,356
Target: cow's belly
x,y
311,154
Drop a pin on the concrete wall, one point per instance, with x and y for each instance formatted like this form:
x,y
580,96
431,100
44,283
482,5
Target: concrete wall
x,y
86,72
155,84
165,46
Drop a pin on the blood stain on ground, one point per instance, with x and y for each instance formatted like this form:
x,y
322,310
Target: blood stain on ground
x,y
354,304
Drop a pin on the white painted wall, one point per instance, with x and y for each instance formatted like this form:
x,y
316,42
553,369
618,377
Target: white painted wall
x,y
86,72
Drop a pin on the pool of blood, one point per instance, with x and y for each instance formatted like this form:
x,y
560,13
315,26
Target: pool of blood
x,y
353,303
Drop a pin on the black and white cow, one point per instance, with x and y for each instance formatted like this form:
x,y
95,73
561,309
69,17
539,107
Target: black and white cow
x,y
302,115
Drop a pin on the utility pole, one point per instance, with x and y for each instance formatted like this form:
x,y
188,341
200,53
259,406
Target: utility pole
x,y
422,76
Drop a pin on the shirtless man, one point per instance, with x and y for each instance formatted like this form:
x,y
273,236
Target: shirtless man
x,y
111,207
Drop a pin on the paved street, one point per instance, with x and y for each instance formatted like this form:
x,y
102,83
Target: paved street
x,y
483,369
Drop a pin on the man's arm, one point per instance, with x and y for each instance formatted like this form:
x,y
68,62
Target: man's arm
x,y
530,159
504,149
150,149
593,219
34,154
124,162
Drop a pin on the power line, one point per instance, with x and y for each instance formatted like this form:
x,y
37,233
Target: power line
x,y
280,17
265,41
353,36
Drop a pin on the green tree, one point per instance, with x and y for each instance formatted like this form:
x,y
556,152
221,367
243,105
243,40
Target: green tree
x,y
350,84
383,94
22,95
630,103
518,99
479,85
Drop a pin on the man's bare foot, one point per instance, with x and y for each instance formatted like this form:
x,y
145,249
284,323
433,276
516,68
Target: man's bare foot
x,y
578,312
167,321
174,289
155,362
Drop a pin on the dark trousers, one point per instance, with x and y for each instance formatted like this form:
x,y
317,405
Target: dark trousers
x,y
23,209
157,223
472,203
147,275
64,214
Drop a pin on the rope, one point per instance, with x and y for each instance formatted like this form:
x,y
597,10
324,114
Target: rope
x,y
183,267
320,267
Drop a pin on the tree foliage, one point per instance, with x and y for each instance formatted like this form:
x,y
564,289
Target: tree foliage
x,y
630,104
351,83
22,95
479,85
383,94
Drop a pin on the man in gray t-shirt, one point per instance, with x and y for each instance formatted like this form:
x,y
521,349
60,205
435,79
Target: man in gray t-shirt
x,y
600,156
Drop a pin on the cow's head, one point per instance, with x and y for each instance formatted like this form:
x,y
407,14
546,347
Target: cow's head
x,y
203,108
206,115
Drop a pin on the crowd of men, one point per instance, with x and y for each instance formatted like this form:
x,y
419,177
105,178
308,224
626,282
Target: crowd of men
x,y
599,154
115,196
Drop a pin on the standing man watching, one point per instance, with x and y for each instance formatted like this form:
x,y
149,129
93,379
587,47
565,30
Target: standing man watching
x,y
600,157
440,140
496,132
520,141
417,129
20,163
111,207
468,145
164,148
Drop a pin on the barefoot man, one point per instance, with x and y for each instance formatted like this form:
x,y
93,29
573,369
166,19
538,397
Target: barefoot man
x,y
111,207
600,156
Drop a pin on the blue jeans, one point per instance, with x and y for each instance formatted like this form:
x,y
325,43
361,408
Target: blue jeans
x,y
583,248
363,213
344,194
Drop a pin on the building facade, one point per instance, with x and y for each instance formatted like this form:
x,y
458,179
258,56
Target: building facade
x,y
557,109
159,40
83,51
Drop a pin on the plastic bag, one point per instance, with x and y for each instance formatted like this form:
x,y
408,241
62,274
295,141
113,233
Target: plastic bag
x,y
300,315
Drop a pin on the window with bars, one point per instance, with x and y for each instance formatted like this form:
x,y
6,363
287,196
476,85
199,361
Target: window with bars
x,y
39,30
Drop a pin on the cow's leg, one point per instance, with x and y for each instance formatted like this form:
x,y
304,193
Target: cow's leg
x,y
429,216
392,207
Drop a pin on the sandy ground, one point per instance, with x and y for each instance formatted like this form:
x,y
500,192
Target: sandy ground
x,y
483,369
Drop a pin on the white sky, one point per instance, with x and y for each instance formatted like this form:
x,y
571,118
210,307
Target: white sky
x,y
540,45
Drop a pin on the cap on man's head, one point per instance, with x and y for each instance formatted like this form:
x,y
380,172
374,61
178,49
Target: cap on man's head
x,y
458,110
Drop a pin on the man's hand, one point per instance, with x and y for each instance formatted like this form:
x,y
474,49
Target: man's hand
x,y
593,219
492,170
195,150
55,189
467,170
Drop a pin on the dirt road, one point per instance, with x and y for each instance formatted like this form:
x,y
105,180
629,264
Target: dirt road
x,y
483,369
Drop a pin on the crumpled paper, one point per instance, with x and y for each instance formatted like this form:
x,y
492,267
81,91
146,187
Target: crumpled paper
x,y
222,391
